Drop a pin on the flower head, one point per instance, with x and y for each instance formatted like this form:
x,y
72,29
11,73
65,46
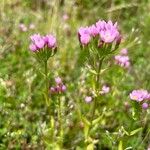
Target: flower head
x,y
123,61
139,95
59,87
145,105
23,27
50,40
88,99
105,89
85,39
38,41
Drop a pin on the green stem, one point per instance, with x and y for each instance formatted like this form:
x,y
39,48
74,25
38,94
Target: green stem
x,y
97,86
46,84
60,121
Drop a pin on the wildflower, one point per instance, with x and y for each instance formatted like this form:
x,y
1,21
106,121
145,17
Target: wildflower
x,y
88,99
124,51
50,40
123,61
58,80
22,27
31,26
105,89
93,31
144,105
59,87
38,41
33,47
85,39
109,35
106,31
65,17
63,88
139,95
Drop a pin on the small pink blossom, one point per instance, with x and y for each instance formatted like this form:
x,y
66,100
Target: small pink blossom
x,y
38,40
93,31
65,17
31,26
139,95
33,47
58,80
63,88
85,39
123,61
124,51
23,27
88,99
144,105
105,89
59,87
50,40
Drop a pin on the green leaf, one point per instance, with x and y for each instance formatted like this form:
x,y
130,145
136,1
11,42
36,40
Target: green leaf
x,y
93,71
120,146
90,146
135,131
95,121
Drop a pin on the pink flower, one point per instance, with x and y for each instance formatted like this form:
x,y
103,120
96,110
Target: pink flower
x,y
144,105
109,35
58,80
83,30
93,31
33,47
59,87
88,99
65,17
124,51
85,39
100,25
38,40
31,26
139,95
105,89
123,61
63,88
23,27
50,40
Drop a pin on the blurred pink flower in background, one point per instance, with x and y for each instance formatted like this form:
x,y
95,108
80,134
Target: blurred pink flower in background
x,y
58,80
23,27
124,51
59,87
88,99
123,61
145,105
105,89
139,95
65,17
31,26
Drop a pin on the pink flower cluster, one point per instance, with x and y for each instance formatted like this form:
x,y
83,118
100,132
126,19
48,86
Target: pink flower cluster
x,y
141,96
123,59
106,31
59,88
24,28
39,42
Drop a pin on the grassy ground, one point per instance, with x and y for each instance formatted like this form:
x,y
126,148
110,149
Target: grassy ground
x,y
24,118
